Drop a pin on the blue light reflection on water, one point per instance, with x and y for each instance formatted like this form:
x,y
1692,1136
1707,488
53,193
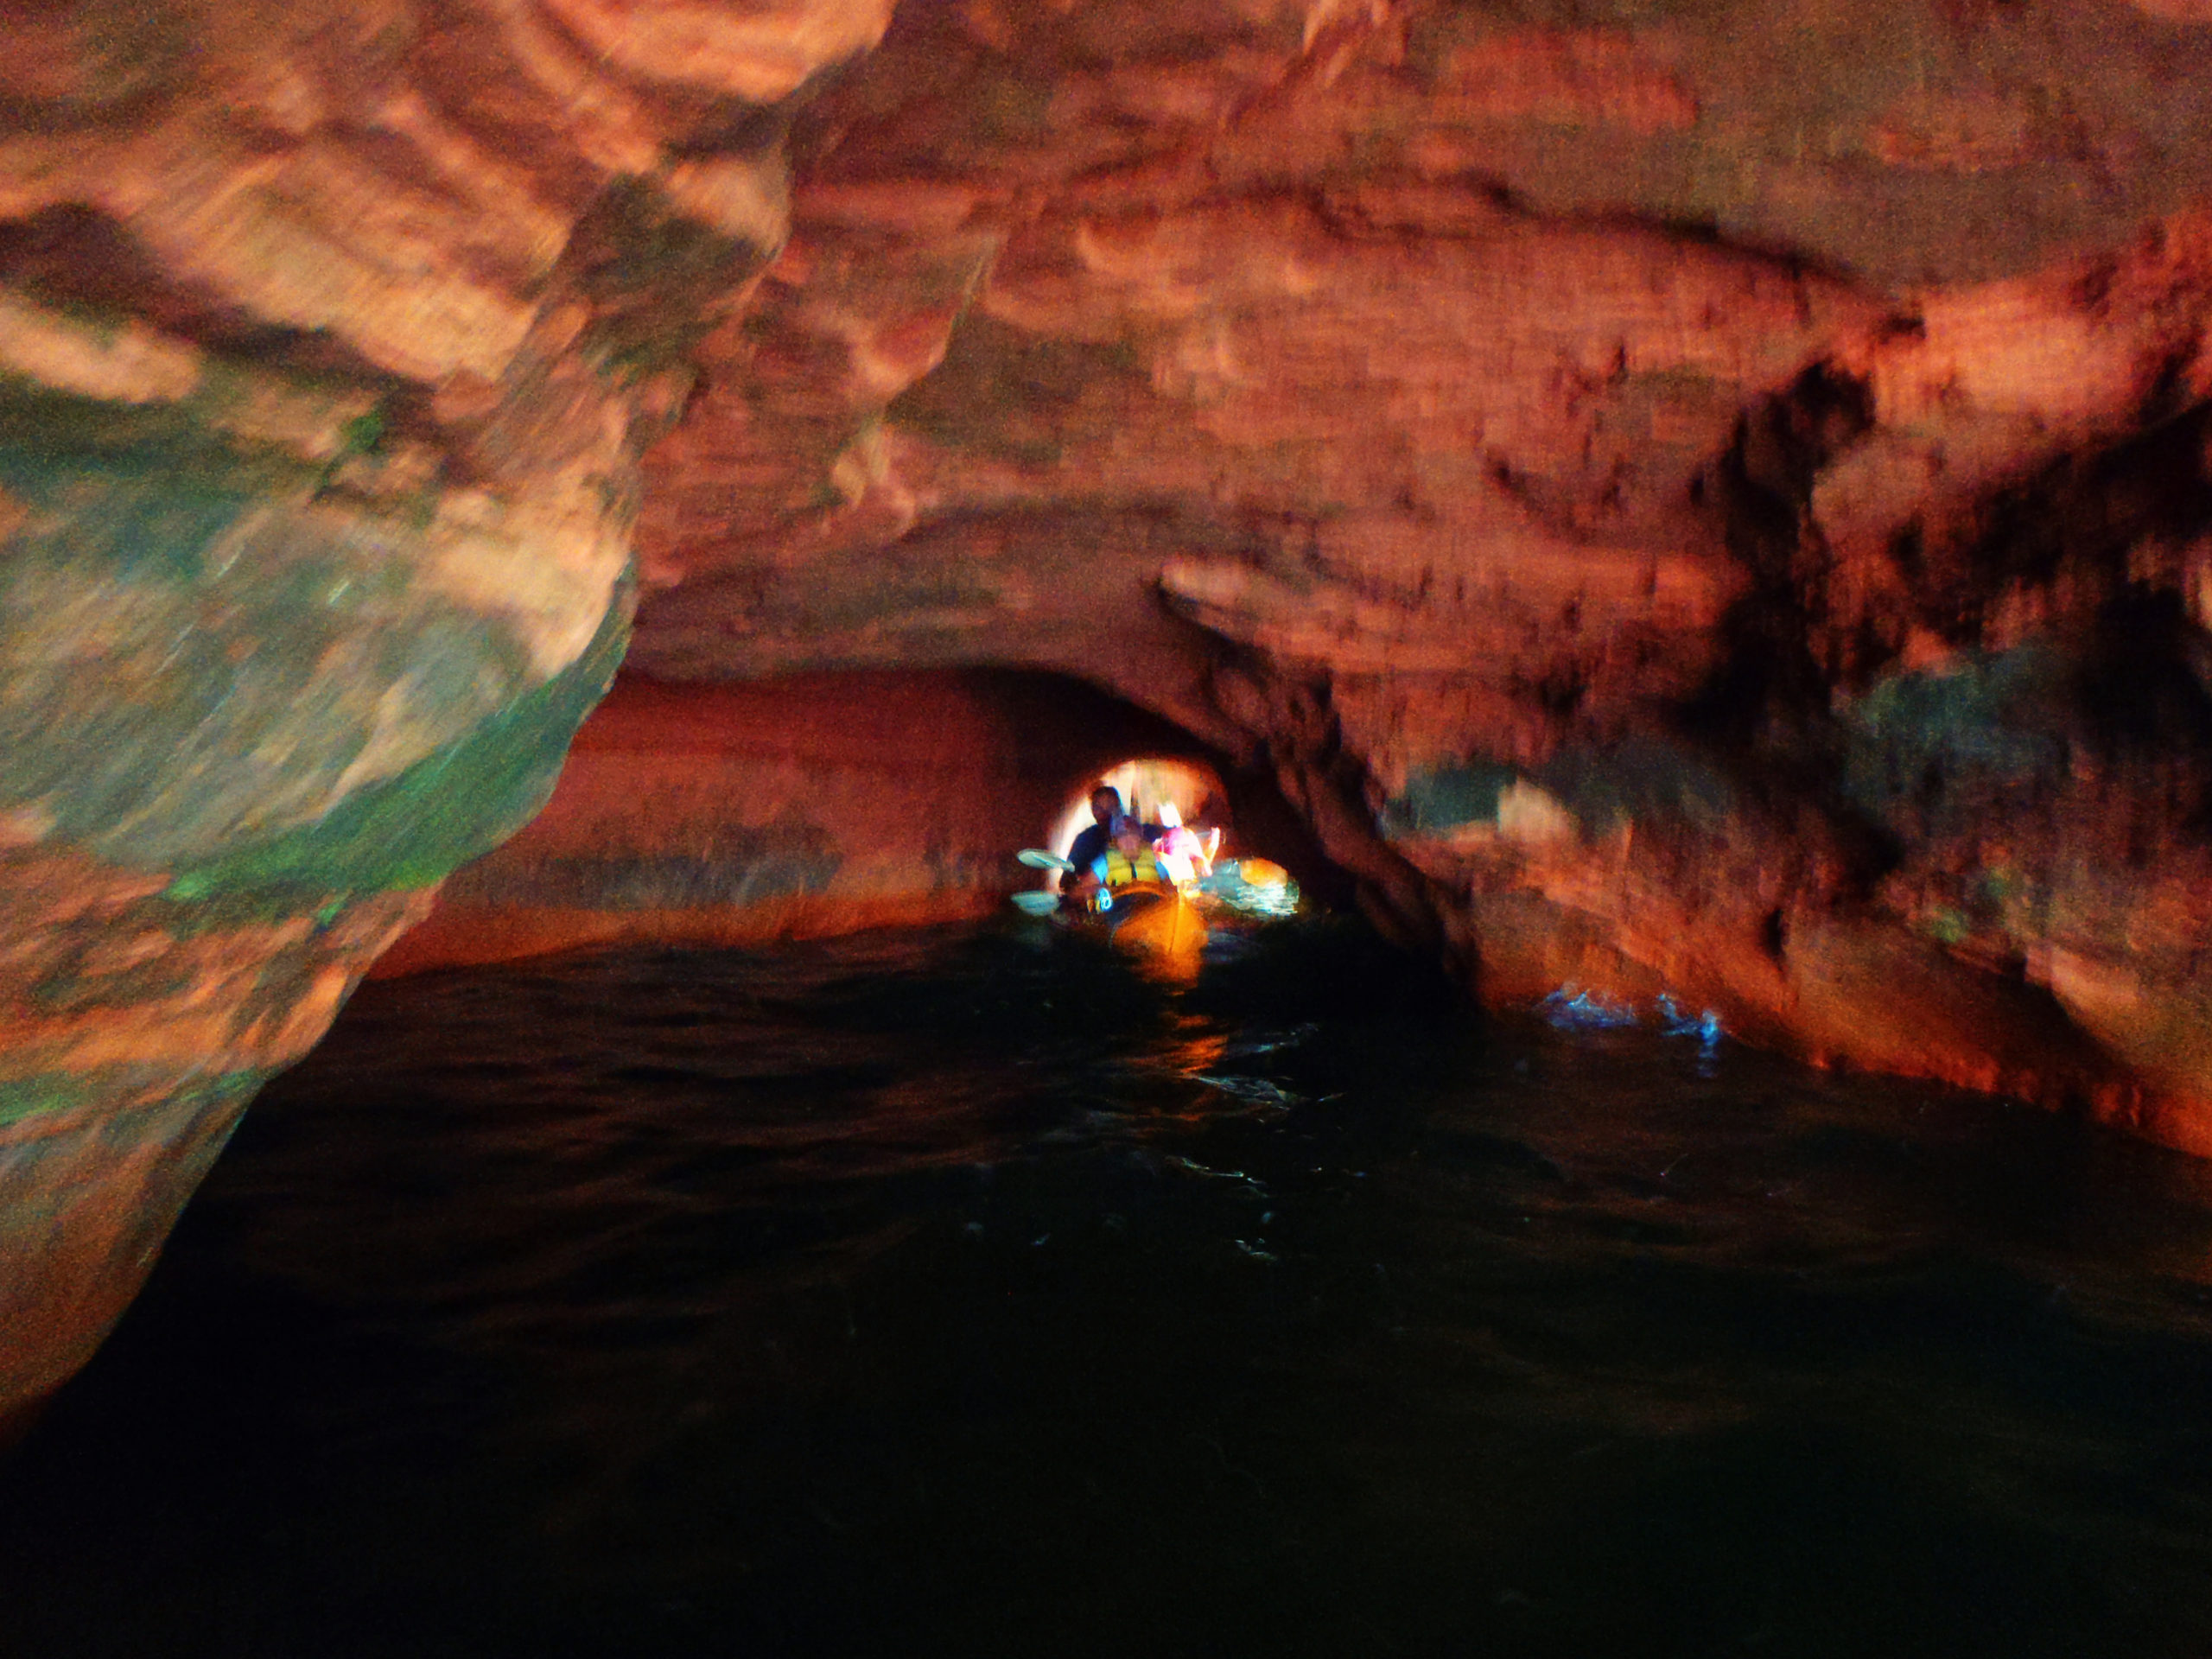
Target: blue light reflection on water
x,y
959,1292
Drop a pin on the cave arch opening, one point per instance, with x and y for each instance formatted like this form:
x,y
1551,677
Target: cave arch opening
x,y
740,812
1146,784
1079,735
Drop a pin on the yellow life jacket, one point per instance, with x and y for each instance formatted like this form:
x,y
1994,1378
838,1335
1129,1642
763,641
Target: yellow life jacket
x,y
1122,869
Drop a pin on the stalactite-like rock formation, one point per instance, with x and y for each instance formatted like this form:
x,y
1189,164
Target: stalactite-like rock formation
x,y
1697,495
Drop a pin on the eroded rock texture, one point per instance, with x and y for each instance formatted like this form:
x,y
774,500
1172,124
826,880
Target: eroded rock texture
x,y
1701,494
329,337
1704,496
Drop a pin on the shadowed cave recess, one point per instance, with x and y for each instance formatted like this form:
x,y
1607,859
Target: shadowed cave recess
x,y
1704,499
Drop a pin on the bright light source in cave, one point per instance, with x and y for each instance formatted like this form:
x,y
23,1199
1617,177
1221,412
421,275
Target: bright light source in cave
x,y
1195,789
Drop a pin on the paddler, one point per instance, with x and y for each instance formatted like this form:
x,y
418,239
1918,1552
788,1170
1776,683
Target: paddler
x,y
1127,860
1182,855
1107,813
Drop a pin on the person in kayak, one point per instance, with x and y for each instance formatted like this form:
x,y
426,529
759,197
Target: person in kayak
x,y
1098,835
1127,861
1130,858
1094,843
1183,857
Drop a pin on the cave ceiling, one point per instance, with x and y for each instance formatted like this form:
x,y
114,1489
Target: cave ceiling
x,y
1682,493
1421,342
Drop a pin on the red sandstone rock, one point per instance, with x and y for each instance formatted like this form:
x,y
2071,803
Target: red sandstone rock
x,y
328,340
138,1028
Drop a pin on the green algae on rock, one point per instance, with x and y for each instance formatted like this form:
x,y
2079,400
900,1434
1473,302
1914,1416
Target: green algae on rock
x,y
416,828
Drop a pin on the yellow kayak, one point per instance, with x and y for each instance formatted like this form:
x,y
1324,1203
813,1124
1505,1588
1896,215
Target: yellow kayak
x,y
1159,926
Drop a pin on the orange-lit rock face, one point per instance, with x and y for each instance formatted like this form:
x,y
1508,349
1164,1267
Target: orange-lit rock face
x,y
1804,612
138,1027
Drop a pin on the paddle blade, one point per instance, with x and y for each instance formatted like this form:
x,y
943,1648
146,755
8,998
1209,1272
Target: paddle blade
x,y
1037,859
1037,904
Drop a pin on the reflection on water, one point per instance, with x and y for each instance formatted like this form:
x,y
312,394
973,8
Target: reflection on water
x,y
959,1292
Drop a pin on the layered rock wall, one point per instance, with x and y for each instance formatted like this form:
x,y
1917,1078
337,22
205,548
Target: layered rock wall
x,y
1707,498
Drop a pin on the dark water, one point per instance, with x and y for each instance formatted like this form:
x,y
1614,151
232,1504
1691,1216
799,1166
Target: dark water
x,y
943,1293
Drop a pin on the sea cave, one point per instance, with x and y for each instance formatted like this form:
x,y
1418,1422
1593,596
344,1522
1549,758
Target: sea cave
x,y
569,572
